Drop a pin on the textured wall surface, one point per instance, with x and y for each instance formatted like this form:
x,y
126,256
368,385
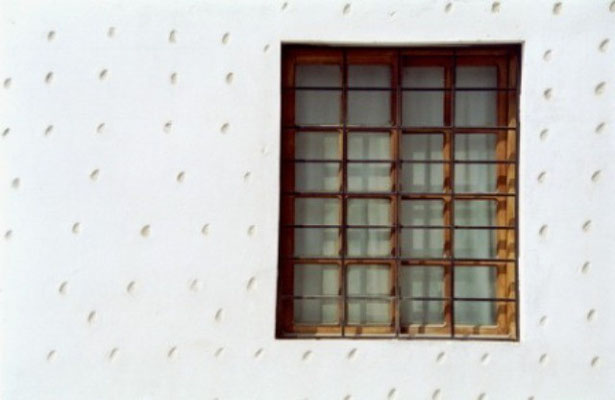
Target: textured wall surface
x,y
139,161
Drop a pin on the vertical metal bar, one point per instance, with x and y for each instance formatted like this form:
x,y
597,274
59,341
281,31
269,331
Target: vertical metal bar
x,y
452,211
517,58
398,166
344,184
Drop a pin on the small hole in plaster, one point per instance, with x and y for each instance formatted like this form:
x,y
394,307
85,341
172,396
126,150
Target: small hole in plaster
x,y
484,359
391,394
542,176
195,285
346,9
448,7
543,230
266,48
440,357
531,398
205,230
48,77
63,288
15,183
173,78
219,352
102,75
100,128
51,35
352,354
604,45
94,174
557,8
180,177
92,317
224,128
612,7
600,88
251,230
111,31
51,355
436,395
548,93
7,83
600,127
229,78
595,362
544,134
172,36
131,287
167,127
172,352
585,267
543,320
591,315
596,176
251,285
544,358
113,353
258,353
8,235
306,355
284,6
348,397
219,315
76,228
145,231
225,38
495,7
6,132
547,55
265,150
48,130
587,225
246,177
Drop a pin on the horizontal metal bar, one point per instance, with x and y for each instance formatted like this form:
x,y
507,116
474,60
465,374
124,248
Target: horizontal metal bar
x,y
403,89
393,297
395,193
394,336
351,226
351,260
404,128
391,161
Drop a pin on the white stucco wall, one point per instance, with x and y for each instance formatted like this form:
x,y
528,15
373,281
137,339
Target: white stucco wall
x,y
107,310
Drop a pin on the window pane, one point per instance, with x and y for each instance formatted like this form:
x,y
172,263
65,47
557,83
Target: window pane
x,y
316,211
422,243
316,280
477,77
372,108
475,243
422,178
475,312
369,212
422,312
475,108
372,242
316,311
369,177
475,146
423,77
317,177
369,312
475,212
316,242
317,145
369,76
479,178
422,147
369,146
318,107
422,281
368,280
422,212
423,108
477,282
318,75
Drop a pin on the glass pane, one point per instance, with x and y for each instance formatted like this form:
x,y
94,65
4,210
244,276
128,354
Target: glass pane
x,y
368,280
422,212
475,212
315,211
317,242
423,108
369,212
317,177
318,75
316,280
478,178
422,243
475,312
317,145
422,178
372,108
373,242
422,147
369,312
422,281
476,108
422,312
477,77
475,243
369,146
318,107
369,76
369,177
423,77
475,146
477,282
316,311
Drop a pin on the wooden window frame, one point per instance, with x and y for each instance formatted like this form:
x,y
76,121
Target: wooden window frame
x,y
507,60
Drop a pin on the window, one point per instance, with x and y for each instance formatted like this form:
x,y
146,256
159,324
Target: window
x,y
399,193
